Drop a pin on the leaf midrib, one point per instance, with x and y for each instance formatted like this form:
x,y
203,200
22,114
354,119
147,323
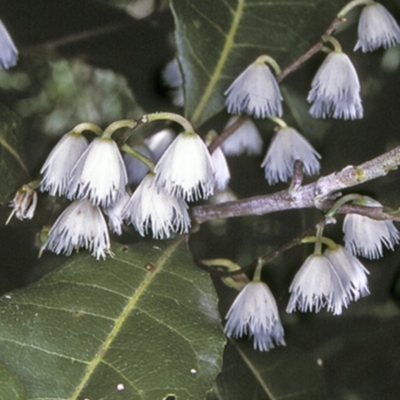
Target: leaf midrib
x,y
221,62
119,322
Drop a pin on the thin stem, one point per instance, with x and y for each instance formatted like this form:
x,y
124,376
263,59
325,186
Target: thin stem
x,y
328,242
318,239
335,43
340,202
124,123
264,59
257,272
139,156
87,126
279,121
348,7
187,126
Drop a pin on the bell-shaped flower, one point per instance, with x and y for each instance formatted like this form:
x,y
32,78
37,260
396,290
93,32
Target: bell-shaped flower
x,y
114,213
136,169
254,312
99,175
222,174
376,28
60,162
8,51
255,92
365,236
151,208
80,225
315,286
286,147
352,274
186,169
172,77
24,203
335,89
246,139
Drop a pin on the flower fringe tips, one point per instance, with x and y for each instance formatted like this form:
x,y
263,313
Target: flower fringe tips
x,y
376,28
80,225
255,312
151,208
365,236
335,89
186,169
8,51
255,92
288,146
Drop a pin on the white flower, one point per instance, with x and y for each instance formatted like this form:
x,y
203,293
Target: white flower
x,y
58,166
376,28
317,285
136,169
114,213
221,169
246,139
186,168
8,51
286,147
352,274
172,76
365,236
335,89
255,92
99,175
24,203
150,207
80,225
255,312
159,142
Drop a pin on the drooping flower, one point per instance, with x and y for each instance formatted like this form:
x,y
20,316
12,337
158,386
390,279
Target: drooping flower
x,y
255,92
376,28
186,169
114,213
315,286
222,174
23,204
58,166
151,208
335,89
172,76
352,274
99,175
287,146
8,51
136,169
246,139
366,236
254,312
80,225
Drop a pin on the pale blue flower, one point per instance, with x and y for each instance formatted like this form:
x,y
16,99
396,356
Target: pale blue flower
x,y
8,51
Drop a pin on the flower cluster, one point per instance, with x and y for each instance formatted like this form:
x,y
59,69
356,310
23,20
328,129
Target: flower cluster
x,y
95,178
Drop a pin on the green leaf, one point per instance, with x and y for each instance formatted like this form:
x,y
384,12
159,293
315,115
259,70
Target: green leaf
x,y
10,386
218,39
13,172
282,373
142,325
